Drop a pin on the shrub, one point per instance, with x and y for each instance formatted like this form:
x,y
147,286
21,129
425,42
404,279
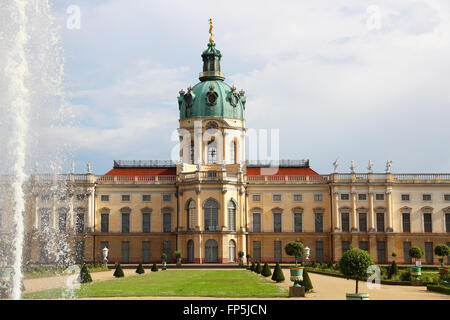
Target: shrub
x,y
278,275
252,268
330,265
354,264
266,272
118,273
140,269
440,289
405,276
258,268
296,249
393,270
85,276
306,282
241,254
164,257
154,268
248,256
177,255
416,252
442,251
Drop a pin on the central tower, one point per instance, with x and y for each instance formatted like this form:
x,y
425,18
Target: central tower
x,y
211,169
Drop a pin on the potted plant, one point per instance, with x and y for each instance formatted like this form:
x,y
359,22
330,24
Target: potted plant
x,y
442,251
353,265
178,257
248,256
296,249
241,258
164,258
416,253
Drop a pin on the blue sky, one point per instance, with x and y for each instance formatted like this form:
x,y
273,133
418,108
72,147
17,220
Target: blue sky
x,y
354,80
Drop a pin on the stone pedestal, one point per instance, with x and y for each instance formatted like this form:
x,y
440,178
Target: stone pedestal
x,y
296,291
415,282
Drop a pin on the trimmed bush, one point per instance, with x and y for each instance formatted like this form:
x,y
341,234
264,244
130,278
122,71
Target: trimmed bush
x,y
154,268
405,276
140,269
118,273
393,270
306,282
296,249
258,268
252,268
85,276
278,275
440,289
442,251
266,272
354,264
330,265
416,252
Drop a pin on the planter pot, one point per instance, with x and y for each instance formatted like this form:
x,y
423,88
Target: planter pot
x,y
416,272
163,265
357,296
297,275
179,262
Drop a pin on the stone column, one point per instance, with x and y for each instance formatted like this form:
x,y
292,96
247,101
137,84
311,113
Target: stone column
x,y
90,215
337,226
245,213
199,210
224,210
200,249
389,211
371,213
354,227
36,211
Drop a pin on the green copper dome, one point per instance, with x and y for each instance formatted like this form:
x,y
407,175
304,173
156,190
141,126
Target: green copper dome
x,y
211,97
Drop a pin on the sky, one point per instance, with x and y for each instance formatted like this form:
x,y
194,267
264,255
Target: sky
x,y
348,80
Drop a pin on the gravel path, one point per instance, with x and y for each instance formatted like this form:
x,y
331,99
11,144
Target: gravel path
x,y
325,288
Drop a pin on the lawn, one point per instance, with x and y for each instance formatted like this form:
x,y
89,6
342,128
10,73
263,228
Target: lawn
x,y
182,283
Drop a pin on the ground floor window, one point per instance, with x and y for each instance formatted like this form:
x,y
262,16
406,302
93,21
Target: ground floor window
x,y
381,252
167,249
345,246
319,251
43,253
79,251
145,251
256,251
406,256
125,251
429,252
277,251
364,245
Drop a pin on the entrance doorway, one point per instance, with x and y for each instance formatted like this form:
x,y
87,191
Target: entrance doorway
x,y
211,251
190,247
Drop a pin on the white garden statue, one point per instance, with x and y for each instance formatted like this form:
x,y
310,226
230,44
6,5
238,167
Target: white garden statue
x,y
105,255
307,250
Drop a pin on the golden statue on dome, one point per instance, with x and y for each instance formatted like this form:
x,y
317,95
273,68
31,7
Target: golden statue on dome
x,y
211,39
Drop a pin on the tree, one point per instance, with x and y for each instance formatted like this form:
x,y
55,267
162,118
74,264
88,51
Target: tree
x,y
164,257
266,272
306,282
154,268
178,256
296,249
416,253
241,256
393,270
258,269
354,264
85,276
140,269
278,275
118,273
442,251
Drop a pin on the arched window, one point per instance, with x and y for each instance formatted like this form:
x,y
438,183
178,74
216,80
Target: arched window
x,y
211,215
231,216
233,152
191,214
212,152
232,251
62,219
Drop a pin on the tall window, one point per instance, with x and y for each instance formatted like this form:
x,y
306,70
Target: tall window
x,y
125,251
211,215
318,222
257,251
45,219
381,251
427,222
380,221
233,152
406,247
191,215
429,252
345,246
146,221
125,222
298,223
62,220
363,222
79,251
79,225
406,222
212,152
345,216
364,245
319,251
256,222
231,216
167,249
277,222
167,222
43,253
146,251
277,251
447,222
104,223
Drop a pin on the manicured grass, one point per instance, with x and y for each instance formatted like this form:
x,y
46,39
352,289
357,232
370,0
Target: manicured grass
x,y
184,283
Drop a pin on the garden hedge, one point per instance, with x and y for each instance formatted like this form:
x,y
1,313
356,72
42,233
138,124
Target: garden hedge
x,y
437,288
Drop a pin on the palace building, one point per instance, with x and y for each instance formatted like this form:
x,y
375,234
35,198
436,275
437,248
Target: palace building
x,y
213,203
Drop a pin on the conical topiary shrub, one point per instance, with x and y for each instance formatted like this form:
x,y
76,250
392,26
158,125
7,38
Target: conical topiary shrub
x,y
393,270
85,276
154,267
266,270
140,269
278,275
118,273
258,268
252,268
306,282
